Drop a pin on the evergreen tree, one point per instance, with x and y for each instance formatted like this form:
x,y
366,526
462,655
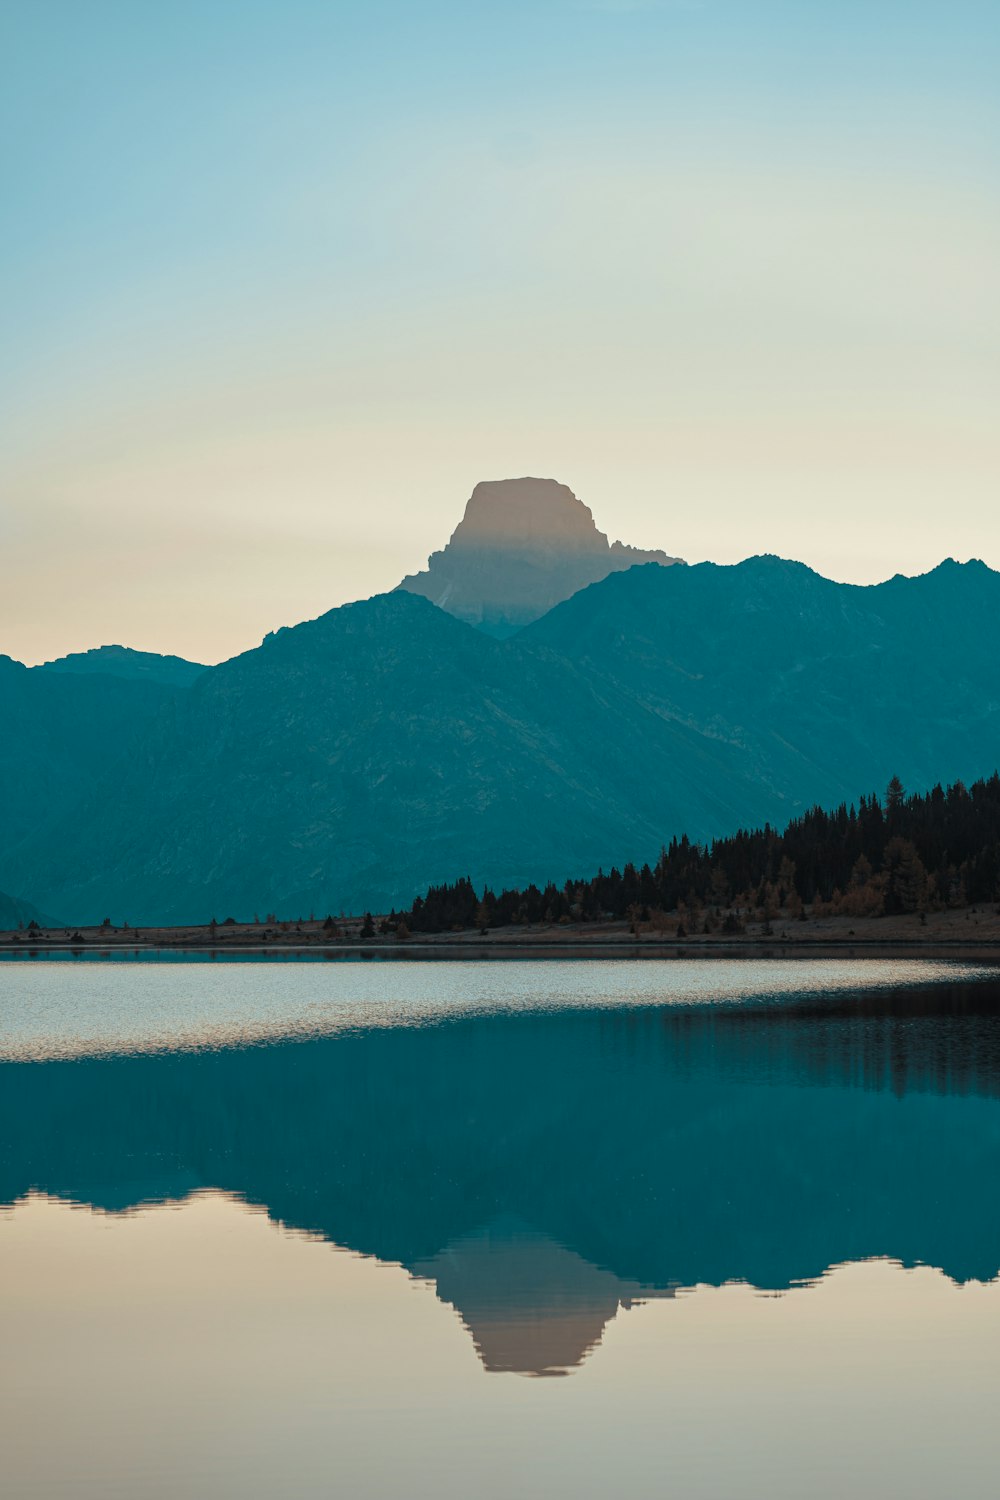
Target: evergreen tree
x,y
921,852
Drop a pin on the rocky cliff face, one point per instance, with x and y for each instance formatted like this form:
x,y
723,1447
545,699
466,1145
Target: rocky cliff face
x,y
522,546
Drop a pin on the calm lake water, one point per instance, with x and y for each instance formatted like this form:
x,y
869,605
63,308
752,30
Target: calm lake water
x,y
697,1229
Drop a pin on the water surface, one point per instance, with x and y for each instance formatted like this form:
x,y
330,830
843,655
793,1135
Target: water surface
x,y
700,1229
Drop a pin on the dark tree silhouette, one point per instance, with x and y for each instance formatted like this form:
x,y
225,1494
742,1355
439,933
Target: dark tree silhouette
x,y
919,853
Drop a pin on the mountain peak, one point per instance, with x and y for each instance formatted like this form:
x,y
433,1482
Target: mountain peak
x,y
522,546
523,514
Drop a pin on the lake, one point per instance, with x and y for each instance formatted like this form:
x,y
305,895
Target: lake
x,y
711,1229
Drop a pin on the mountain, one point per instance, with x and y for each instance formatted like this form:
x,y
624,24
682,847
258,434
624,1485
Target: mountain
x,y
521,547
825,688
15,913
122,661
61,734
350,761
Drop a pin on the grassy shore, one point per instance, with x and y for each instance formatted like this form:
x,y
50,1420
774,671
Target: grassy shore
x,y
969,931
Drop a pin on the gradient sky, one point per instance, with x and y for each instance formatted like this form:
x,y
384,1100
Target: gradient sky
x,y
280,280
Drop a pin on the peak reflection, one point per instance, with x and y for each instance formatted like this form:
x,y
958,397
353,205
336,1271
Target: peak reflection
x,y
531,1305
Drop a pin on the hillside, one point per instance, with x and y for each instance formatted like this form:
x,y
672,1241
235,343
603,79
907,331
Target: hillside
x,y
345,758
60,736
927,853
352,761
15,914
820,685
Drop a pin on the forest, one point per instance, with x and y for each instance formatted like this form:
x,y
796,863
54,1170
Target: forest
x,y
882,856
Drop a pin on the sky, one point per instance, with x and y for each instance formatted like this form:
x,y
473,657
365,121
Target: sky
x,y
281,280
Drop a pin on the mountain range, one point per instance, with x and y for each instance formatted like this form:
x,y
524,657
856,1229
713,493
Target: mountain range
x,y
348,762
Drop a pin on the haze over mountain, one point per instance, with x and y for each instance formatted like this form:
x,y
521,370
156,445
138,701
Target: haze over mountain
x,y
350,761
522,546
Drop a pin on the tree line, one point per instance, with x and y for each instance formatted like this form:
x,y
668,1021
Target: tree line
x,y
881,857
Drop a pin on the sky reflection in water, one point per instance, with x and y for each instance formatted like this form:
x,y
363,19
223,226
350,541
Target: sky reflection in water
x,y
602,1186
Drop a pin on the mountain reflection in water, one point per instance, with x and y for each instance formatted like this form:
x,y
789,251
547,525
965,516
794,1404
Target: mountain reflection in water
x,y
543,1170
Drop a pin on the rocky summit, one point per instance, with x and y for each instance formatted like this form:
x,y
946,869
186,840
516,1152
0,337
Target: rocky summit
x,y
523,546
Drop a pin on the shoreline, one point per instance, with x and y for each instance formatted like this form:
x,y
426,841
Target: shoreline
x,y
965,933
567,951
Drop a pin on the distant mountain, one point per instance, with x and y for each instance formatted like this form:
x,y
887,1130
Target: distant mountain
x,y
522,546
61,734
15,913
122,661
351,761
346,759
822,687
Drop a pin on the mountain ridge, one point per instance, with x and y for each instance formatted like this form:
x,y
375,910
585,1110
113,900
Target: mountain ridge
x,y
353,760
471,702
126,662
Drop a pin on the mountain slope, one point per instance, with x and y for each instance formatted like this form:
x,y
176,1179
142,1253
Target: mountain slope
x,y
521,547
59,736
15,913
351,758
351,761
824,687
